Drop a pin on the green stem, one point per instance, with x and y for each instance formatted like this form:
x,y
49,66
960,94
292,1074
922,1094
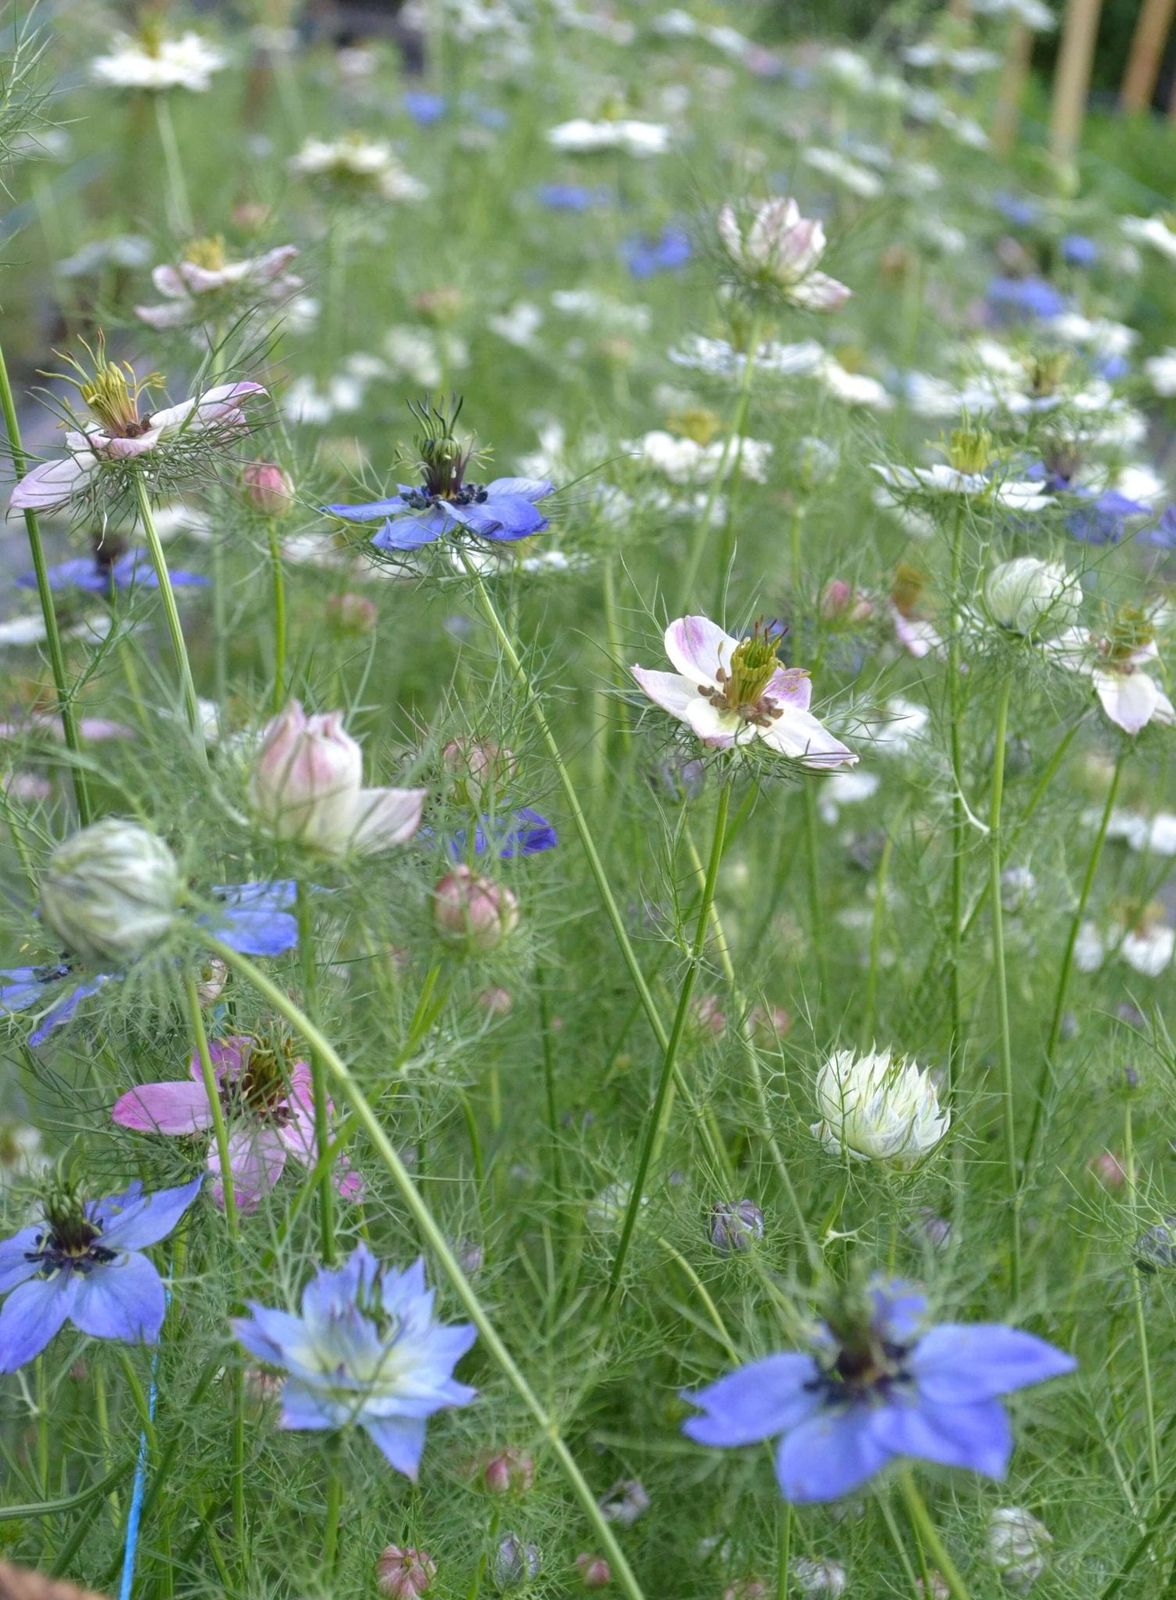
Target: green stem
x,y
783,1549
334,1506
181,209
212,1090
876,924
929,1533
65,705
280,627
1002,988
1149,1404
435,1238
322,1101
958,820
171,612
603,888
795,528
813,863
653,1131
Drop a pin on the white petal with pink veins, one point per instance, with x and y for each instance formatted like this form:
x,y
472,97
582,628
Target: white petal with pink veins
x,y
1130,699
790,686
668,690
716,726
799,735
698,647
386,817
53,483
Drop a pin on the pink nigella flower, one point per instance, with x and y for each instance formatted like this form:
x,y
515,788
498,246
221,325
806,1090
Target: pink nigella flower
x,y
268,1104
196,289
731,691
776,248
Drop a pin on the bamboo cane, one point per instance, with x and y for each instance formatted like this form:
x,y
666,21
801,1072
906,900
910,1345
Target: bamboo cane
x,y
1147,54
1072,79
1014,75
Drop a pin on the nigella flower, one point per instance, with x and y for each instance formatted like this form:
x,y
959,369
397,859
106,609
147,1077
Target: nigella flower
x,y
731,691
424,108
1010,299
204,285
364,1351
1115,664
110,570
116,433
83,1264
445,503
875,1388
268,1102
646,256
571,196
516,831
252,918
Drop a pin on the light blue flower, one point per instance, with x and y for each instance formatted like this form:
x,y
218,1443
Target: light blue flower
x,y
365,1352
875,1392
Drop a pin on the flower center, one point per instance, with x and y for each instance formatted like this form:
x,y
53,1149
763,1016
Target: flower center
x,y
262,1089
907,589
69,1242
1130,632
1045,373
741,688
970,450
207,253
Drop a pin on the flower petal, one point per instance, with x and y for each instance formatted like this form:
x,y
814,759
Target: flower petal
x,y
386,817
15,1266
137,1219
173,1108
30,1317
758,1402
1128,698
402,1441
956,1364
410,532
257,1158
798,734
53,483
829,1455
668,690
698,647
977,1436
371,511
121,1300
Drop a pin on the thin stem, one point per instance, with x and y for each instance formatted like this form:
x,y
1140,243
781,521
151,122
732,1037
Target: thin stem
x,y
181,209
1002,988
552,1098
334,1506
318,1077
65,705
929,1533
170,611
958,820
603,888
280,626
435,1238
653,1131
813,863
876,926
1149,1404
783,1549
212,1090
795,529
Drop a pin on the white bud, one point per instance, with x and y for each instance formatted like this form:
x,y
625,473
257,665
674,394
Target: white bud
x,y
111,892
877,1109
819,1577
1018,1547
1029,596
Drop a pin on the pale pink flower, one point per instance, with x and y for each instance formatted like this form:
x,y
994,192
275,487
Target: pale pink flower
x,y
731,691
268,1105
196,287
779,248
307,786
1130,697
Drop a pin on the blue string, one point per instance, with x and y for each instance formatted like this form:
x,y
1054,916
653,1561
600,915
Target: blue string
x,y
139,1488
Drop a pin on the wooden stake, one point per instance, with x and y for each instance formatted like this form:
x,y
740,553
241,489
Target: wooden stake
x,y
1072,79
1014,75
1147,54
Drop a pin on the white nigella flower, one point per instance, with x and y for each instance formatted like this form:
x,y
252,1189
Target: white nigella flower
x,y
1161,372
686,461
847,174
1115,664
519,325
719,359
1027,596
1146,944
966,473
876,1108
853,388
775,247
196,288
966,60
732,691
157,64
1035,14
1155,231
634,137
21,1155
367,164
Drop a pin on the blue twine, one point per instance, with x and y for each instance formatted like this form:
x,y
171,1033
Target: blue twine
x,y
138,1489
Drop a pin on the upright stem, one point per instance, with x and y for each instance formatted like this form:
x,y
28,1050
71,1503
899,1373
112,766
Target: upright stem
x,y
653,1131
434,1237
1002,988
813,863
181,210
212,1090
1149,1404
280,627
322,1111
929,1533
171,612
958,820
603,888
65,705
334,1505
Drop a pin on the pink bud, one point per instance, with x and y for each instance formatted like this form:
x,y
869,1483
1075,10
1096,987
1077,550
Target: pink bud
x,y
1108,1169
497,1001
268,488
595,1572
746,1589
841,602
306,779
477,765
769,1024
352,613
403,1574
708,1015
470,909
511,1471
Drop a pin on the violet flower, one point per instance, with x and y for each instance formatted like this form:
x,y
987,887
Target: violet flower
x,y
875,1388
83,1264
94,575
268,1103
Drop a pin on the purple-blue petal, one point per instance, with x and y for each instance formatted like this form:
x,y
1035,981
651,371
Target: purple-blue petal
x,y
829,1455
977,1436
144,1219
122,1299
411,532
61,1013
15,1266
30,1317
21,988
402,1440
253,933
759,1401
956,1364
524,488
370,511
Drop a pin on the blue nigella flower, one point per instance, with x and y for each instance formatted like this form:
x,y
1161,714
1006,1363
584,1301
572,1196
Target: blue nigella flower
x,y
253,918
133,570
82,1264
876,1389
1101,515
1013,298
365,1351
664,252
425,108
1017,208
571,196
502,510
1164,533
518,832
1079,251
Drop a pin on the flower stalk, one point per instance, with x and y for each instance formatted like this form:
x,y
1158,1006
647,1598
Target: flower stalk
x,y
1002,987
171,612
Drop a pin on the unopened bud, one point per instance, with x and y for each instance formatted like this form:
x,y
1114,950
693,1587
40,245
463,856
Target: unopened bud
x,y
769,1024
497,1001
1018,1547
404,1573
841,602
268,489
110,893
819,1577
708,1015
625,1503
515,1563
736,1227
1027,596
472,910
214,975
595,1572
937,1590
511,1471
1155,1249
352,613
479,767
1108,1169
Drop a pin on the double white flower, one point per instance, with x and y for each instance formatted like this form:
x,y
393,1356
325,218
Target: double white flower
x,y
777,248
874,1108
